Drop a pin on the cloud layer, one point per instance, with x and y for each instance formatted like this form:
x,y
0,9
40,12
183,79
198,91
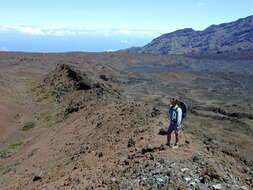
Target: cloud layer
x,y
75,31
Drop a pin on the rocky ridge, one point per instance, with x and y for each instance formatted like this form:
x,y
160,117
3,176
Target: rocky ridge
x,y
230,37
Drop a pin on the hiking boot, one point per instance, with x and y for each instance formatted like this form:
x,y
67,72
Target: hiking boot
x,y
168,144
175,145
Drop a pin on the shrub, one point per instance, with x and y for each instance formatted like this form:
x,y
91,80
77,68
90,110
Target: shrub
x,y
28,125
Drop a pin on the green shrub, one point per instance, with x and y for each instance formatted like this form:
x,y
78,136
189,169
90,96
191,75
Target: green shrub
x,y
16,145
4,154
28,125
7,170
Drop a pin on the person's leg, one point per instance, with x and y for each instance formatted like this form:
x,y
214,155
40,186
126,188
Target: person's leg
x,y
177,138
177,132
171,128
169,137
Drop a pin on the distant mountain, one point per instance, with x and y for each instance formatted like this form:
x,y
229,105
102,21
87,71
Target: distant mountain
x,y
228,37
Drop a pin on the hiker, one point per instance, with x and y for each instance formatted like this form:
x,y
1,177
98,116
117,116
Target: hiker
x,y
176,116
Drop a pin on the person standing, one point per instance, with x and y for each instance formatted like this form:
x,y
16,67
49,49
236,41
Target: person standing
x,y
175,114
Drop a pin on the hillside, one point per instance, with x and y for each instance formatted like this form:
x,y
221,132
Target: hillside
x,y
97,120
228,37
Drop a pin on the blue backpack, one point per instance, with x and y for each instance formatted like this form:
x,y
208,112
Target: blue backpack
x,y
184,108
173,112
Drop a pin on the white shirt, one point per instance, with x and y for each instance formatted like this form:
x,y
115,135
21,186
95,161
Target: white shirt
x,y
179,114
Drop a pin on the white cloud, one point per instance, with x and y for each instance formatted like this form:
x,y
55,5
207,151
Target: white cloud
x,y
110,50
3,48
22,29
76,30
124,41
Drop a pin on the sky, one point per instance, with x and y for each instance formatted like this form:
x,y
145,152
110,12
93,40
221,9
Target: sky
x,y
106,25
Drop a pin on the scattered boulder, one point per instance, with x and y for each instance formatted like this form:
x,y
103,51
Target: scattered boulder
x,y
126,162
99,124
162,131
130,143
37,178
162,147
154,112
100,154
148,148
217,187
213,172
104,77
84,149
196,158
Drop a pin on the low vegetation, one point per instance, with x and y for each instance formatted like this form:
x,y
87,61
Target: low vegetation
x,y
28,125
51,111
15,146
4,154
11,149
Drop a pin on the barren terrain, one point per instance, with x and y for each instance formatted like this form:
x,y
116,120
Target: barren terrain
x,y
96,121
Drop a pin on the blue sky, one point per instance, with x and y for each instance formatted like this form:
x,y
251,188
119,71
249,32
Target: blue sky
x,y
126,22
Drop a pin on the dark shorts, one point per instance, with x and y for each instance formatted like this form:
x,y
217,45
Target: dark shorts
x,y
174,127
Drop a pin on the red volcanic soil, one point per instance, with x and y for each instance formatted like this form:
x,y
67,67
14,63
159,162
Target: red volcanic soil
x,y
8,123
91,135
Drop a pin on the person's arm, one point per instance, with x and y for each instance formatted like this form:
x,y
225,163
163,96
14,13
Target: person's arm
x,y
179,116
169,111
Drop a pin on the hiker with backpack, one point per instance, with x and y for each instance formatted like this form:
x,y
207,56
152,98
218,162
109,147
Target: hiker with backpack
x,y
177,113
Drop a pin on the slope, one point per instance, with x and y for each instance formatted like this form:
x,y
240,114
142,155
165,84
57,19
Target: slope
x,y
231,37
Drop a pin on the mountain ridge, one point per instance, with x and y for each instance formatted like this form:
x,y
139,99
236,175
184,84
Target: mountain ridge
x,y
236,36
